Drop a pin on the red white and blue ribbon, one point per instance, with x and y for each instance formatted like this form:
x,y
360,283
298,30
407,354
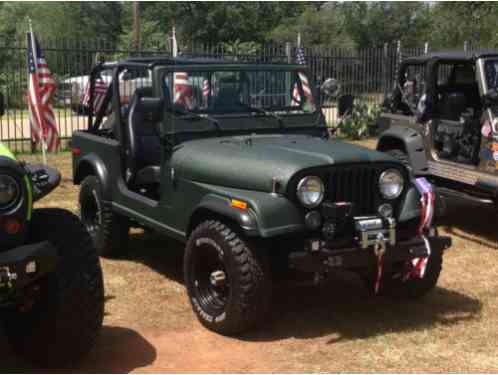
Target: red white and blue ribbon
x,y
427,202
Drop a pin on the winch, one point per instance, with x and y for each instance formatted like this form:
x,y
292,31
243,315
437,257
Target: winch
x,y
368,230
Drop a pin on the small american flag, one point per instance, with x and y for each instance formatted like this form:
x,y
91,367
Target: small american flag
x,y
183,89
296,95
41,89
98,94
205,88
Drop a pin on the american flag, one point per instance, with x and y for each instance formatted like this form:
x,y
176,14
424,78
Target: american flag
x,y
296,95
41,89
98,94
183,89
205,88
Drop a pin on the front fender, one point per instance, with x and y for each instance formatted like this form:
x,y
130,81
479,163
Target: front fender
x,y
267,215
408,140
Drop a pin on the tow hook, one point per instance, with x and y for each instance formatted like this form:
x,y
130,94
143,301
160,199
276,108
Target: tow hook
x,y
6,277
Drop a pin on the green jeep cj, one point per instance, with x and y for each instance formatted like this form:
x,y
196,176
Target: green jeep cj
x,y
234,160
51,287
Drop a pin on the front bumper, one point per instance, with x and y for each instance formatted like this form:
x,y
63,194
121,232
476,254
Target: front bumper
x,y
23,265
323,258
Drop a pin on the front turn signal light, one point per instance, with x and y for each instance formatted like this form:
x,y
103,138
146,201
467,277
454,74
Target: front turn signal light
x,y
235,203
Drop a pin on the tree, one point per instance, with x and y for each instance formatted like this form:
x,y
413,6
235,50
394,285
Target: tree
x,y
319,26
371,24
70,20
455,23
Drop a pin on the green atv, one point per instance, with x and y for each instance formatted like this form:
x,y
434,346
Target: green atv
x,y
51,286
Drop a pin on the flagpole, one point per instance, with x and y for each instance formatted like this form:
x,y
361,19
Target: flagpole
x,y
174,46
40,131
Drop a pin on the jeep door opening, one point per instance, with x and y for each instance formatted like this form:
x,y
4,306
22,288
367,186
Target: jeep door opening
x,y
235,160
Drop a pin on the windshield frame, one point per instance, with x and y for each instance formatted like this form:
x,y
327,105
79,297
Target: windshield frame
x,y
162,71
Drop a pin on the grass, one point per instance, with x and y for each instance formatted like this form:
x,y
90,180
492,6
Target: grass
x,y
333,328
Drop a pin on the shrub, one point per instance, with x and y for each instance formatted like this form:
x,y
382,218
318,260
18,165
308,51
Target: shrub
x,y
362,122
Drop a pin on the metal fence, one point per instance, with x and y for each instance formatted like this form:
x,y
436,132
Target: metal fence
x,y
367,74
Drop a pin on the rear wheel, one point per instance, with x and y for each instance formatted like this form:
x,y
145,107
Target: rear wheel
x,y
108,229
63,317
227,279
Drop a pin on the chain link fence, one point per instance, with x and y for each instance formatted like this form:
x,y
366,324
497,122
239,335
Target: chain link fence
x,y
367,74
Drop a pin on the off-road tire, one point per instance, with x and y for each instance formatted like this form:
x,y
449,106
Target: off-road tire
x,y
415,288
109,230
66,317
248,273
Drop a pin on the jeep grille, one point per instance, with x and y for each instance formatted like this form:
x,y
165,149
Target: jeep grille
x,y
356,183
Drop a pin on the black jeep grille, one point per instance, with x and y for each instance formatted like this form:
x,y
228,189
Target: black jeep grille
x,y
357,184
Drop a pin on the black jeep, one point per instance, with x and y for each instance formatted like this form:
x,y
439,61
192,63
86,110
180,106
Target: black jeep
x,y
51,287
441,120
234,160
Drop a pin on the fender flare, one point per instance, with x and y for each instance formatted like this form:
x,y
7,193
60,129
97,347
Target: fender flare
x,y
260,219
410,141
92,164
213,204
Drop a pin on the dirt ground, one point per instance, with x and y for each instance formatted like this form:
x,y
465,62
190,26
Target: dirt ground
x,y
338,327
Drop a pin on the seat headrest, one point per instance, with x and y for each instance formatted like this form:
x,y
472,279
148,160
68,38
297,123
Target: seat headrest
x,y
144,103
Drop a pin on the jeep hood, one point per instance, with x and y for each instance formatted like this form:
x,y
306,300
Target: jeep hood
x,y
251,162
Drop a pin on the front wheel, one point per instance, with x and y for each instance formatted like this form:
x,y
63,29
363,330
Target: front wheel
x,y
227,279
63,316
415,287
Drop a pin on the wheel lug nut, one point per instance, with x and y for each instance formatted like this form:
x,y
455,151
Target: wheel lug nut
x,y
217,278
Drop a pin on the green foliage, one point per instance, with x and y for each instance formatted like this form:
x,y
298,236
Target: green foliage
x,y
474,21
331,24
83,20
371,24
319,26
361,122
237,48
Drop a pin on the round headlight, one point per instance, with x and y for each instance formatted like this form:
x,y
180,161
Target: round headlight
x,y
9,191
310,191
391,183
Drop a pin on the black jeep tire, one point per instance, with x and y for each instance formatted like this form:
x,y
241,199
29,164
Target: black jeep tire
x,y
66,317
242,300
414,288
108,229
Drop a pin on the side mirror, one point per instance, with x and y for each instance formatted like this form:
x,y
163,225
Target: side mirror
x,y
2,105
153,108
330,88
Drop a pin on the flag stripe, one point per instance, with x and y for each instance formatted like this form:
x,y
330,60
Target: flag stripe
x,y
41,89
